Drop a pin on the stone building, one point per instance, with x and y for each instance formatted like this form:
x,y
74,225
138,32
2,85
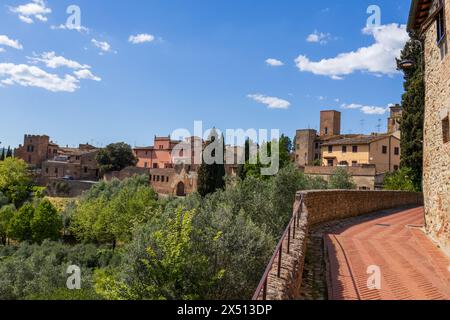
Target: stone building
x,y
331,148
158,156
76,164
430,18
36,149
395,118
51,161
381,151
365,177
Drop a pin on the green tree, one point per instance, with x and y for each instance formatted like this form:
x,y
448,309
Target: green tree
x,y
109,211
161,264
211,177
413,102
46,222
115,157
401,180
9,153
20,226
15,180
2,156
341,180
6,215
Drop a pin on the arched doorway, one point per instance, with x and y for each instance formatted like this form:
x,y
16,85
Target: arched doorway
x,y
181,192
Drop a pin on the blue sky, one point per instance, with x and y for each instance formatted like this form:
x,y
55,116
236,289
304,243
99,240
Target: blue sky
x,y
202,60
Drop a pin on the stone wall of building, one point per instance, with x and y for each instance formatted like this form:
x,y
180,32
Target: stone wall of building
x,y
365,178
320,207
436,150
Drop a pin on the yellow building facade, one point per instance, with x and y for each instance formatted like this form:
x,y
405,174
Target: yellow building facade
x,y
383,152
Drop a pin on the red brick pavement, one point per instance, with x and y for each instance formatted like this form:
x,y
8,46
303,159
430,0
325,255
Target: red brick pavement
x,y
411,266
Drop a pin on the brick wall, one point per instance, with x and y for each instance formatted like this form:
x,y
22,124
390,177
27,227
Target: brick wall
x,y
320,207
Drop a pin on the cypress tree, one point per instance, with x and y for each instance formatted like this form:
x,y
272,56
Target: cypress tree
x,y
211,176
413,102
9,152
2,156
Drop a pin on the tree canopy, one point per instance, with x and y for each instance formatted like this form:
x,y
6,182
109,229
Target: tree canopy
x,y
115,157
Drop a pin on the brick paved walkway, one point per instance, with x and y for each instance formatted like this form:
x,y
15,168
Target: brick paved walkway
x,y
411,266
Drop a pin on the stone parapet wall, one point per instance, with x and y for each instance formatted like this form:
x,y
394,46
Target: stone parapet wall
x,y
325,206
320,207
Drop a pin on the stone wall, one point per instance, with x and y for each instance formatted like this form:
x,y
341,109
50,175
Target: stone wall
x,y
436,151
319,207
67,188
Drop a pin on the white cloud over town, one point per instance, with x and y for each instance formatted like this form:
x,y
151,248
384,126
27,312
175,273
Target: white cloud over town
x,y
102,45
369,110
270,102
70,27
141,38
274,62
318,37
34,10
86,74
379,58
32,76
51,60
6,41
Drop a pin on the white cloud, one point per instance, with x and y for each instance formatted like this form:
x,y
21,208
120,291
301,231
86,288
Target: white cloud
x,y
369,110
36,9
51,60
102,45
86,74
32,76
378,58
5,41
318,37
274,62
270,102
70,27
141,38
2,50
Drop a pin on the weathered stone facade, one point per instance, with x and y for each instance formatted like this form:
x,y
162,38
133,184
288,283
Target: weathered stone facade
x,y
365,178
437,112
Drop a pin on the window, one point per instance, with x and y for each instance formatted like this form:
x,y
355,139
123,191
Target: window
x,y
167,179
85,169
355,149
330,163
385,150
145,164
330,149
46,170
317,145
155,166
157,178
326,131
396,168
397,151
446,130
344,149
56,171
354,163
440,27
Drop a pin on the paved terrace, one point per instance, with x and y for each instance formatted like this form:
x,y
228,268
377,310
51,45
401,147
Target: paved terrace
x,y
412,267
337,238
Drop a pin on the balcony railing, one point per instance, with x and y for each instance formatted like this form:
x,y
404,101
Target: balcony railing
x,y
277,258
